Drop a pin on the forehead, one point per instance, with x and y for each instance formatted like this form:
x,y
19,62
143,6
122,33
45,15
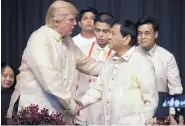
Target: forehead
x,y
145,27
101,25
88,14
8,70
116,28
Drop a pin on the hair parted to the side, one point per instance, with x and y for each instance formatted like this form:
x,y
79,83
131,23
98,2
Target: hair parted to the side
x,y
58,10
128,28
105,18
148,20
88,9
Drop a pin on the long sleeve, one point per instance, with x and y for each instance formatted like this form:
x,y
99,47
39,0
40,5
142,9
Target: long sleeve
x,y
39,58
173,78
149,93
87,65
94,93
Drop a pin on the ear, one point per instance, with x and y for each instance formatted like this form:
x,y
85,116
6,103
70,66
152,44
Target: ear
x,y
127,40
55,22
156,34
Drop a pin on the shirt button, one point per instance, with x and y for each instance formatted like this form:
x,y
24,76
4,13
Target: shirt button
x,y
112,78
64,79
109,89
107,102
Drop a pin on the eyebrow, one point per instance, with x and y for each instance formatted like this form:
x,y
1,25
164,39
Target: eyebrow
x,y
143,31
101,29
88,16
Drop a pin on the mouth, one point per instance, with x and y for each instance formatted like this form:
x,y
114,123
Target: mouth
x,y
8,83
143,42
100,40
89,25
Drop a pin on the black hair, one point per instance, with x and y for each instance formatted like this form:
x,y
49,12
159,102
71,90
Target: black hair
x,y
6,64
88,9
105,18
128,28
3,66
148,20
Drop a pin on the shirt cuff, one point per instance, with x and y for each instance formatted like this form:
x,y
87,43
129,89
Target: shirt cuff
x,y
84,101
72,106
176,91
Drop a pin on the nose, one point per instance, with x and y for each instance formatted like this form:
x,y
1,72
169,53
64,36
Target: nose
x,y
143,36
89,20
110,36
74,22
101,34
9,79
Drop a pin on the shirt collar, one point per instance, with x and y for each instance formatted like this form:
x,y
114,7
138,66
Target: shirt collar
x,y
126,56
152,50
54,34
97,47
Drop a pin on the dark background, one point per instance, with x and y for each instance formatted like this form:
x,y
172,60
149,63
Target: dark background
x,y
21,17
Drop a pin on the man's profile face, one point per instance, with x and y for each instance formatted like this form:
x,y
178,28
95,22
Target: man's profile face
x,y
87,21
146,36
102,30
65,27
115,38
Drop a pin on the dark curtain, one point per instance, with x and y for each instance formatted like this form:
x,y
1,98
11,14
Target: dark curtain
x,y
21,17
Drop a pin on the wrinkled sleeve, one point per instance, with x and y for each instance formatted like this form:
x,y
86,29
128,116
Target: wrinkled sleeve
x,y
87,65
39,59
94,93
149,92
76,80
173,77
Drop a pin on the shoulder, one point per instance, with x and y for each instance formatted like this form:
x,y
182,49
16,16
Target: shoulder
x,y
77,37
39,37
163,51
164,54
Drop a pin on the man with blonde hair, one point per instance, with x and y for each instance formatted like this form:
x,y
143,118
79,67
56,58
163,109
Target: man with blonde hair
x,y
49,62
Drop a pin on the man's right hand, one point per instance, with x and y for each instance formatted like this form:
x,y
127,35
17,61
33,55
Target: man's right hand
x,y
79,106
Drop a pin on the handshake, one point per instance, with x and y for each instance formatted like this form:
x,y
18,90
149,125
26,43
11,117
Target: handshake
x,y
69,118
79,106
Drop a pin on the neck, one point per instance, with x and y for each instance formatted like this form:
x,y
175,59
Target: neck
x,y
121,52
102,45
149,48
86,34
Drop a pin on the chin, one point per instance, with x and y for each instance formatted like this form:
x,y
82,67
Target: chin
x,y
102,43
144,45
